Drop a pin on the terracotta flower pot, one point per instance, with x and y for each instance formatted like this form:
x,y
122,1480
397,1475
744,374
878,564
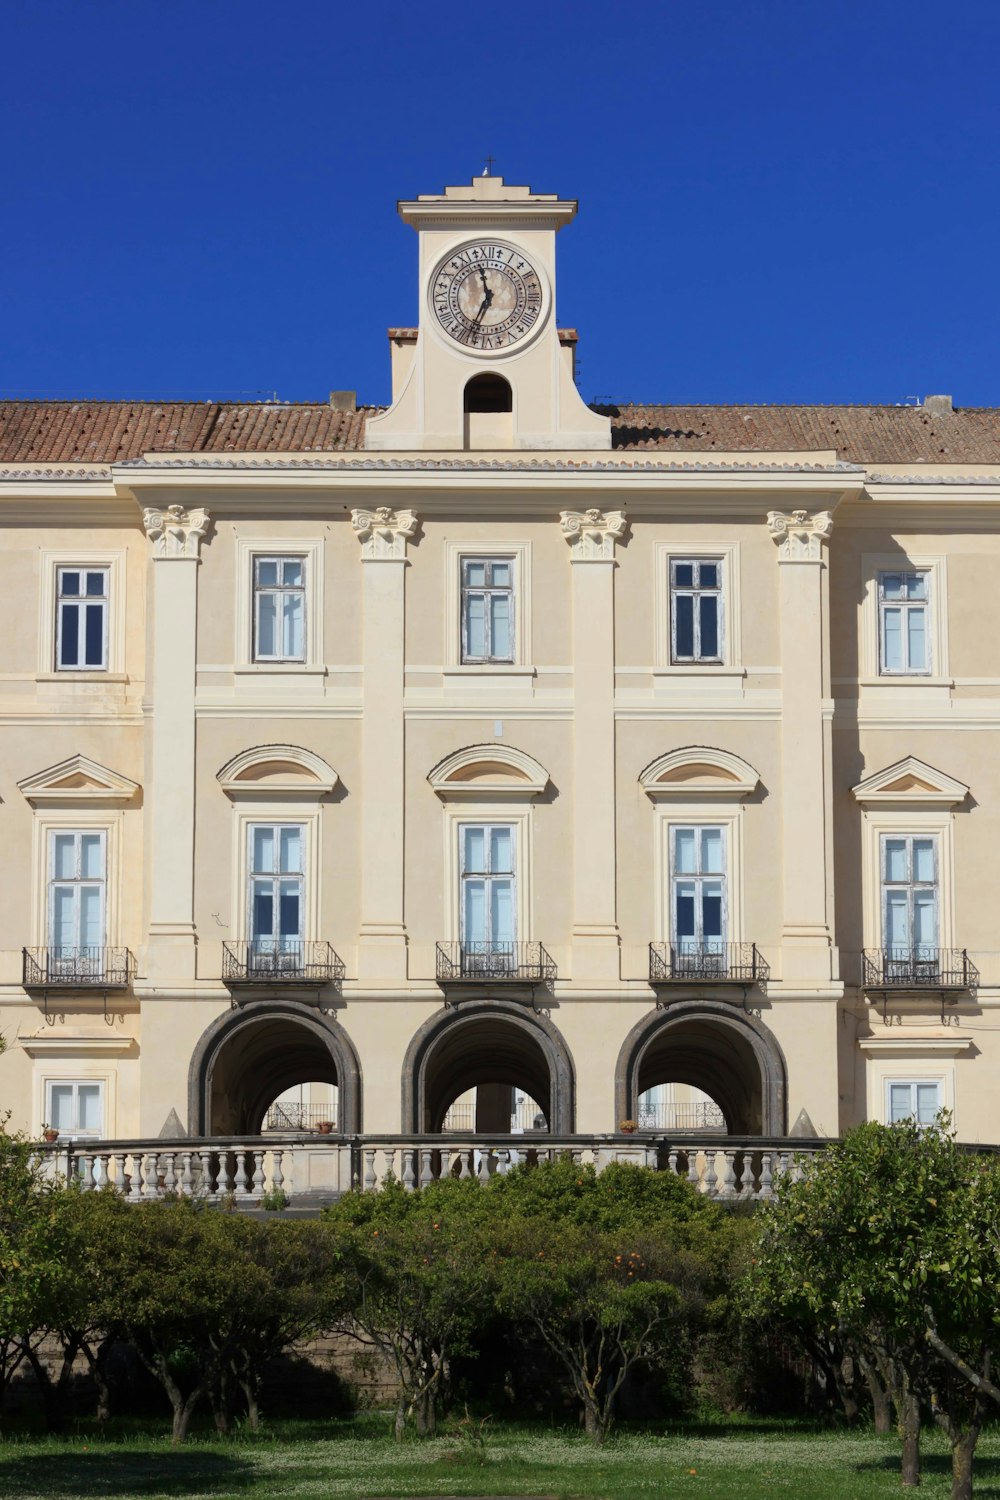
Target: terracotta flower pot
x,y
627,1127
325,1127
51,1135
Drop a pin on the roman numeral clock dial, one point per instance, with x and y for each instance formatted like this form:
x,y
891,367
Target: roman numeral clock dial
x,y
487,296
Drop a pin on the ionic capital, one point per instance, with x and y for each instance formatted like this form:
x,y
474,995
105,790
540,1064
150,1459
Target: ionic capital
x,y
800,536
383,533
592,533
175,532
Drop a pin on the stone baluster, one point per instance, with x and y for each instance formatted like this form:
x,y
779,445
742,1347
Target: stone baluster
x,y
206,1184
692,1168
149,1175
426,1166
764,1189
86,1169
672,1161
135,1176
783,1159
257,1160
240,1185
369,1181
169,1175
465,1157
278,1171
187,1178
101,1170
711,1177
727,1183
114,1173
409,1172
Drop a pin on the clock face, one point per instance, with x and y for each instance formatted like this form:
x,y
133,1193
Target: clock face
x,y
487,296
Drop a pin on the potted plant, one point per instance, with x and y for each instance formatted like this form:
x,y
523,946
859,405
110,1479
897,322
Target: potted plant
x,y
49,1133
325,1127
628,1127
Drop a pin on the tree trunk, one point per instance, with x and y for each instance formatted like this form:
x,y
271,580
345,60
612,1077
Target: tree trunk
x,y
400,1424
909,1431
100,1383
46,1389
249,1390
426,1414
963,1450
183,1412
881,1406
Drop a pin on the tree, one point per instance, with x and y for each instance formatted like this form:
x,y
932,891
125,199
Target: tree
x,y
892,1239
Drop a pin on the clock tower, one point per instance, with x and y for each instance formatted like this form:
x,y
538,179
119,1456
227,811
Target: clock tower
x,y
486,367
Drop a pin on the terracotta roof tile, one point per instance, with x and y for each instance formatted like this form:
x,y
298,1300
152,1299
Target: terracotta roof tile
x,y
111,431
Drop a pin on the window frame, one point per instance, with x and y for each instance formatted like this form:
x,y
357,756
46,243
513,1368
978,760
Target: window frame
x,y
76,883
520,816
454,666
910,885
913,1081
305,813
311,551
730,664
113,564
870,623
938,822
76,1134
683,814
487,591
906,606
280,590
698,879
487,876
275,876
697,591
82,602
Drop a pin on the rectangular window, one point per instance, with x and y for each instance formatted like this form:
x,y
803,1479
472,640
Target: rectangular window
x,y
695,610
82,619
913,1099
489,904
277,888
487,609
75,1109
76,906
279,609
904,623
698,889
910,897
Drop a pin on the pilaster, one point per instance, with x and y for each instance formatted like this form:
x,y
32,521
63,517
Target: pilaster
x,y
176,534
383,534
592,536
808,955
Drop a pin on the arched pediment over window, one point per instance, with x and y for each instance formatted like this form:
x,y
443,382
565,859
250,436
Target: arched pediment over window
x,y
699,770
277,771
489,771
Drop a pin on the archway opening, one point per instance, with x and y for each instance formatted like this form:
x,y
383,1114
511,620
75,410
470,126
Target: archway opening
x,y
491,1070
488,412
275,1059
673,1105
488,393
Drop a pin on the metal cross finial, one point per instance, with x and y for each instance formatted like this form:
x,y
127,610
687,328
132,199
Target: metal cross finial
x,y
488,169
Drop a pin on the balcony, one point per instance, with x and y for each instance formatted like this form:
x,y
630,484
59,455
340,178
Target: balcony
x,y
707,963
934,969
493,963
293,963
77,968
696,1117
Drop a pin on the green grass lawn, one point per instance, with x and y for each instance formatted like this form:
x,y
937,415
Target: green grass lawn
x,y
356,1457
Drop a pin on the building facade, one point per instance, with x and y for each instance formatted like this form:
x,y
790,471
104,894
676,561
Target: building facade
x,y
494,761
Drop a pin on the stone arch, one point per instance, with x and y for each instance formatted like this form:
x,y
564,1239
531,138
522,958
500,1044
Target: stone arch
x,y
716,1047
488,771
277,771
482,1041
257,1052
488,392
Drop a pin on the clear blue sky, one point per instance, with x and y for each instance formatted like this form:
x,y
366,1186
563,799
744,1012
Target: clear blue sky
x,y
780,200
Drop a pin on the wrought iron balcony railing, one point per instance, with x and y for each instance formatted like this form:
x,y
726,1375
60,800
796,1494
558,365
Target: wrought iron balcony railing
x,y
707,963
493,963
77,968
918,969
702,1116
288,963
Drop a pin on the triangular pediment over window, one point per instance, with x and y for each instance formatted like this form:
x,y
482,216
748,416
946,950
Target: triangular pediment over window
x,y
910,781
489,771
277,771
699,770
77,780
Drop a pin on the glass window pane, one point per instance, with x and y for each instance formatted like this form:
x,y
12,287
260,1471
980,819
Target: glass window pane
x,y
708,609
895,859
69,634
923,859
291,850
927,1103
267,572
684,914
64,856
475,625
69,584
501,575
89,1106
475,848
262,849
289,906
292,632
711,851
684,575
501,850
711,909
94,635
266,625
475,573
291,572
684,850
262,914
684,624
474,911
917,588
500,624
900,1102
92,856
61,1112
892,585
916,640
95,585
897,926
925,919
892,640
502,911
91,927
709,576
64,917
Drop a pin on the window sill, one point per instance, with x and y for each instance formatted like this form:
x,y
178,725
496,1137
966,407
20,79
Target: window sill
x,y
96,675
278,669
698,679
906,680
473,677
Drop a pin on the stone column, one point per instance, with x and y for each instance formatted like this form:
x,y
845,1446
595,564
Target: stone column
x,y
596,946
383,534
176,535
808,956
